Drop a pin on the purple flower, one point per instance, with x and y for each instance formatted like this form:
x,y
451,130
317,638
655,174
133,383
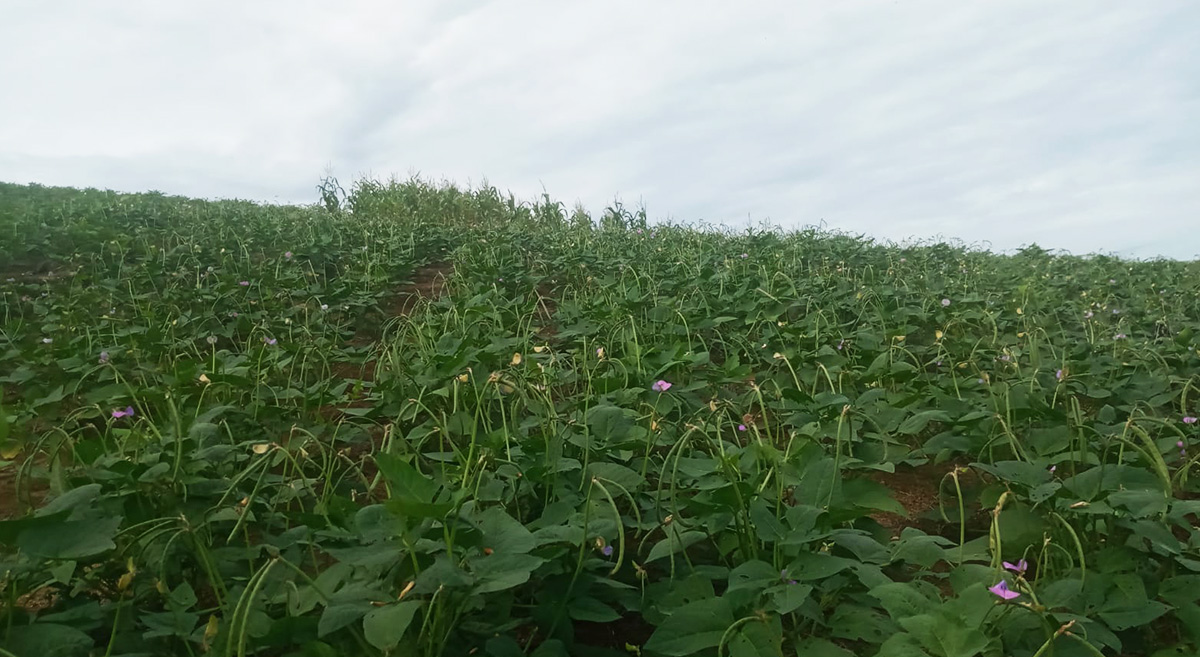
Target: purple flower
x,y
1058,375
639,231
661,386
840,344
103,357
1019,568
128,412
1119,336
1179,443
741,427
1003,591
244,283
945,302
745,255
269,341
607,550
288,255
1053,468
652,234
1088,315
1116,312
1189,420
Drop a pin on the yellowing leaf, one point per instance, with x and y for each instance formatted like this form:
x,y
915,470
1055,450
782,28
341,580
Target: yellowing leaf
x,y
210,631
9,449
261,448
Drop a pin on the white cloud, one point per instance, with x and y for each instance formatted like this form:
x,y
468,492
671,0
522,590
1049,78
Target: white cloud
x,y
1068,123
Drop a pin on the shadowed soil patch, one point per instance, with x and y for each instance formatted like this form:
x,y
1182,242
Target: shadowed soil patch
x,y
918,489
15,496
428,282
631,629
545,309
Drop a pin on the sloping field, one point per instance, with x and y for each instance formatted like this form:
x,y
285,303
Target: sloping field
x,y
415,420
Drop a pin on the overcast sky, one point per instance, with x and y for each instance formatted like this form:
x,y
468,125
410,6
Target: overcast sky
x,y
1074,124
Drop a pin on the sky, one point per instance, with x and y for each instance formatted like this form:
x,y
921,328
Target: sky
x,y
1071,124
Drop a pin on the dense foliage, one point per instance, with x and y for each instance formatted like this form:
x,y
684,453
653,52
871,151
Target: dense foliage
x,y
416,420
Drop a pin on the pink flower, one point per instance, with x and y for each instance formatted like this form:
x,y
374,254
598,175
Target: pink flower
x,y
288,255
1189,420
661,386
1003,591
741,427
1019,568
945,302
244,283
128,412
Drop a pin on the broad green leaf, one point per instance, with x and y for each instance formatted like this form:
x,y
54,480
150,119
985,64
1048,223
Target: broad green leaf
x,y
902,600
626,477
900,645
1140,503
69,500
1133,616
753,575
406,482
758,638
917,423
868,494
943,635
70,539
809,566
503,571
676,541
692,628
339,615
384,627
47,640
503,534
788,597
591,609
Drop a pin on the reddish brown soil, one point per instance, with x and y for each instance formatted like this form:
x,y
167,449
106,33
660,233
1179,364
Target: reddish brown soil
x,y
546,307
917,490
631,629
428,282
14,499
